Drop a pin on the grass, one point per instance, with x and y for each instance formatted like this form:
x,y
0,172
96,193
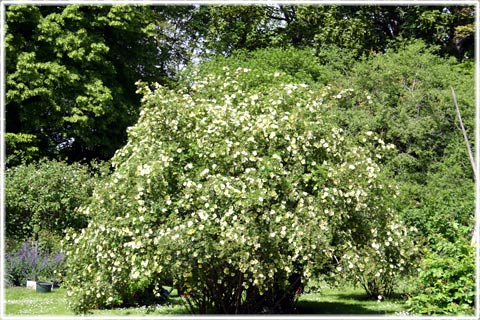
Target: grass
x,y
347,301
22,302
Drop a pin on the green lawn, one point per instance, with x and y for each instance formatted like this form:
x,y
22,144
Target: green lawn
x,y
347,301
21,302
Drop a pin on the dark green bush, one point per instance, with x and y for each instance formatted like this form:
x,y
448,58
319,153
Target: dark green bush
x,y
409,104
448,195
42,197
447,281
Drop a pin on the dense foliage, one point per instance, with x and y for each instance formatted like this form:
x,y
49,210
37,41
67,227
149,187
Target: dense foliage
x,y
357,29
71,72
237,188
412,108
40,198
71,69
447,281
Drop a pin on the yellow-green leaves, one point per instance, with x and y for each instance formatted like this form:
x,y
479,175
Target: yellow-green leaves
x,y
70,76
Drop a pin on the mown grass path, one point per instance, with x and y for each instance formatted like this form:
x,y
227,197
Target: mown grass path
x,y
23,302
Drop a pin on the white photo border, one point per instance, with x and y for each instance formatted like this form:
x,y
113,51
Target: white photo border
x,y
476,3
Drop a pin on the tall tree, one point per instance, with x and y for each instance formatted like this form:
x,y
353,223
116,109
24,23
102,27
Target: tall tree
x,y
71,73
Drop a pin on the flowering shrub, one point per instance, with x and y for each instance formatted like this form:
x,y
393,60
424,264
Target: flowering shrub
x,y
237,188
377,264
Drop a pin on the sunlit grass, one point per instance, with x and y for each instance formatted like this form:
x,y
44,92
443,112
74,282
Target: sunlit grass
x,y
22,302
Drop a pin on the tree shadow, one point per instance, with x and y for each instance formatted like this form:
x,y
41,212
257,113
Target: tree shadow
x,y
323,307
346,304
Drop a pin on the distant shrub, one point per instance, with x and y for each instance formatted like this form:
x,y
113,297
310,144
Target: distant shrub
x,y
294,64
410,105
42,197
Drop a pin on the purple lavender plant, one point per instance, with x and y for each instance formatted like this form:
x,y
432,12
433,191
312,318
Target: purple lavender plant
x,y
32,260
30,263
58,258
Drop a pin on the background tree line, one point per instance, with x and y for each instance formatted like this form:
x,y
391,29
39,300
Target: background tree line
x,y
71,70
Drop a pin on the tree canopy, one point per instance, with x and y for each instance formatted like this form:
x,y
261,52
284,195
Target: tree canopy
x,y
360,29
71,74
71,69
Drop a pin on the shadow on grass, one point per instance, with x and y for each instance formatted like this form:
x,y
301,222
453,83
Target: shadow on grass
x,y
349,301
323,307
364,297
